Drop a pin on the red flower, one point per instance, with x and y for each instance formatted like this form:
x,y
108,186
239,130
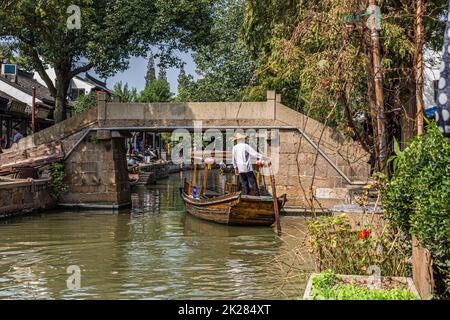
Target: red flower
x,y
364,234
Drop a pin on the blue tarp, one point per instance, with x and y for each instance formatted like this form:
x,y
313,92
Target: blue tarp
x,y
431,112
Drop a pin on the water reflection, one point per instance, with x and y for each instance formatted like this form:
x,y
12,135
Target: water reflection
x,y
153,251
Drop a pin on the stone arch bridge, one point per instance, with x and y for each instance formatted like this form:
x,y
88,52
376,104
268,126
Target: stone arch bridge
x,y
317,162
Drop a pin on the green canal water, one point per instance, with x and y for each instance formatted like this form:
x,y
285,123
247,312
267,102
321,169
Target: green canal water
x,y
151,251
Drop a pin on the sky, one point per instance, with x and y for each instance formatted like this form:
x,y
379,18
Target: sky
x,y
135,75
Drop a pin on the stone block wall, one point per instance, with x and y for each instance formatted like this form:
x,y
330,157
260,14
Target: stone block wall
x,y
307,178
57,132
97,174
23,196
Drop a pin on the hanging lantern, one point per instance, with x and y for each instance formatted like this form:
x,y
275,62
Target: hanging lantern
x,y
209,162
259,164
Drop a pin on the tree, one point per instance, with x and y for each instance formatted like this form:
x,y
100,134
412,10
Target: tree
x,y
157,91
5,51
8,55
151,73
319,56
125,94
420,5
110,31
162,74
187,87
224,64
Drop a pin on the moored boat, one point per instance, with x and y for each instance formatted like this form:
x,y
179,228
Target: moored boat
x,y
233,208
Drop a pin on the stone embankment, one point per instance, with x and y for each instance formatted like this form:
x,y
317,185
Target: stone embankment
x,y
18,197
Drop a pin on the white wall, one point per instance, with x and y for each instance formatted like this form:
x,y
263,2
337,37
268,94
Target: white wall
x,y
75,83
431,73
80,84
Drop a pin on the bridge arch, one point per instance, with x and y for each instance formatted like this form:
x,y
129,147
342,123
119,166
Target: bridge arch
x,y
318,166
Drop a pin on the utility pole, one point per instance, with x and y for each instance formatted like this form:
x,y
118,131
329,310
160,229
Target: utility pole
x,y
33,110
420,8
378,73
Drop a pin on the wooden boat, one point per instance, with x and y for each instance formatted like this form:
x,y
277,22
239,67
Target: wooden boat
x,y
233,208
141,178
139,174
133,178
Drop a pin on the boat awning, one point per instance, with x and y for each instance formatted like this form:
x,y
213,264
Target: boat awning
x,y
202,155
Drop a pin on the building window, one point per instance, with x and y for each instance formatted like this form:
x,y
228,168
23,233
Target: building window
x,y
75,93
435,91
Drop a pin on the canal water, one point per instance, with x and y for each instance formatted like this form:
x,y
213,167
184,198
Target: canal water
x,y
151,251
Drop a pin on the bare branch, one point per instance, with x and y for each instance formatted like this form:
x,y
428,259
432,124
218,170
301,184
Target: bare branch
x,y
6,5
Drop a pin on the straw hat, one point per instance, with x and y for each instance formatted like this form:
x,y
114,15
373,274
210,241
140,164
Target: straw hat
x,y
239,136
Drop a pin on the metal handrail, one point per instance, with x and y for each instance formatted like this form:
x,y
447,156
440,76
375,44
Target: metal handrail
x,y
169,128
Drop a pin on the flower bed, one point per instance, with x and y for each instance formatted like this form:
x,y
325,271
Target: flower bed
x,y
335,245
328,286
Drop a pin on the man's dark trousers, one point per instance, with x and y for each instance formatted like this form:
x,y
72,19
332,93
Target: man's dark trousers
x,y
248,180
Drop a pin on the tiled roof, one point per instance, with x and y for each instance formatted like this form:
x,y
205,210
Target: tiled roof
x,y
5,96
97,83
25,83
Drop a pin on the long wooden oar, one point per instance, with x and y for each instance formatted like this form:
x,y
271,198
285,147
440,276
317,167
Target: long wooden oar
x,y
205,177
275,200
194,178
258,177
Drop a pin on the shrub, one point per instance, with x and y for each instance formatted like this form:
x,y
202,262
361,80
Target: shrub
x,y
85,102
93,139
57,181
417,198
336,246
326,286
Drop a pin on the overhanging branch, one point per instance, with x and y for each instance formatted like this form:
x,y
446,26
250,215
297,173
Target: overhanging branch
x,y
41,70
82,69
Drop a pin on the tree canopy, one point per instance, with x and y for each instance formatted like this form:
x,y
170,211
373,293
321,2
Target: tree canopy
x,y
224,64
126,94
111,31
151,72
318,55
156,91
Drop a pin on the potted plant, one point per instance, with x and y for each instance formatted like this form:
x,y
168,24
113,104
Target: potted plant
x,y
329,286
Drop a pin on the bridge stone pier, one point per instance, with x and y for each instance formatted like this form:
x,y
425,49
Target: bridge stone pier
x,y
318,166
97,173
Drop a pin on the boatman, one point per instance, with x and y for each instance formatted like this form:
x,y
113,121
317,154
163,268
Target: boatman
x,y
242,156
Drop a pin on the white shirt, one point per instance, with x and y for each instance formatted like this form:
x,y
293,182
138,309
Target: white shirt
x,y
242,157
